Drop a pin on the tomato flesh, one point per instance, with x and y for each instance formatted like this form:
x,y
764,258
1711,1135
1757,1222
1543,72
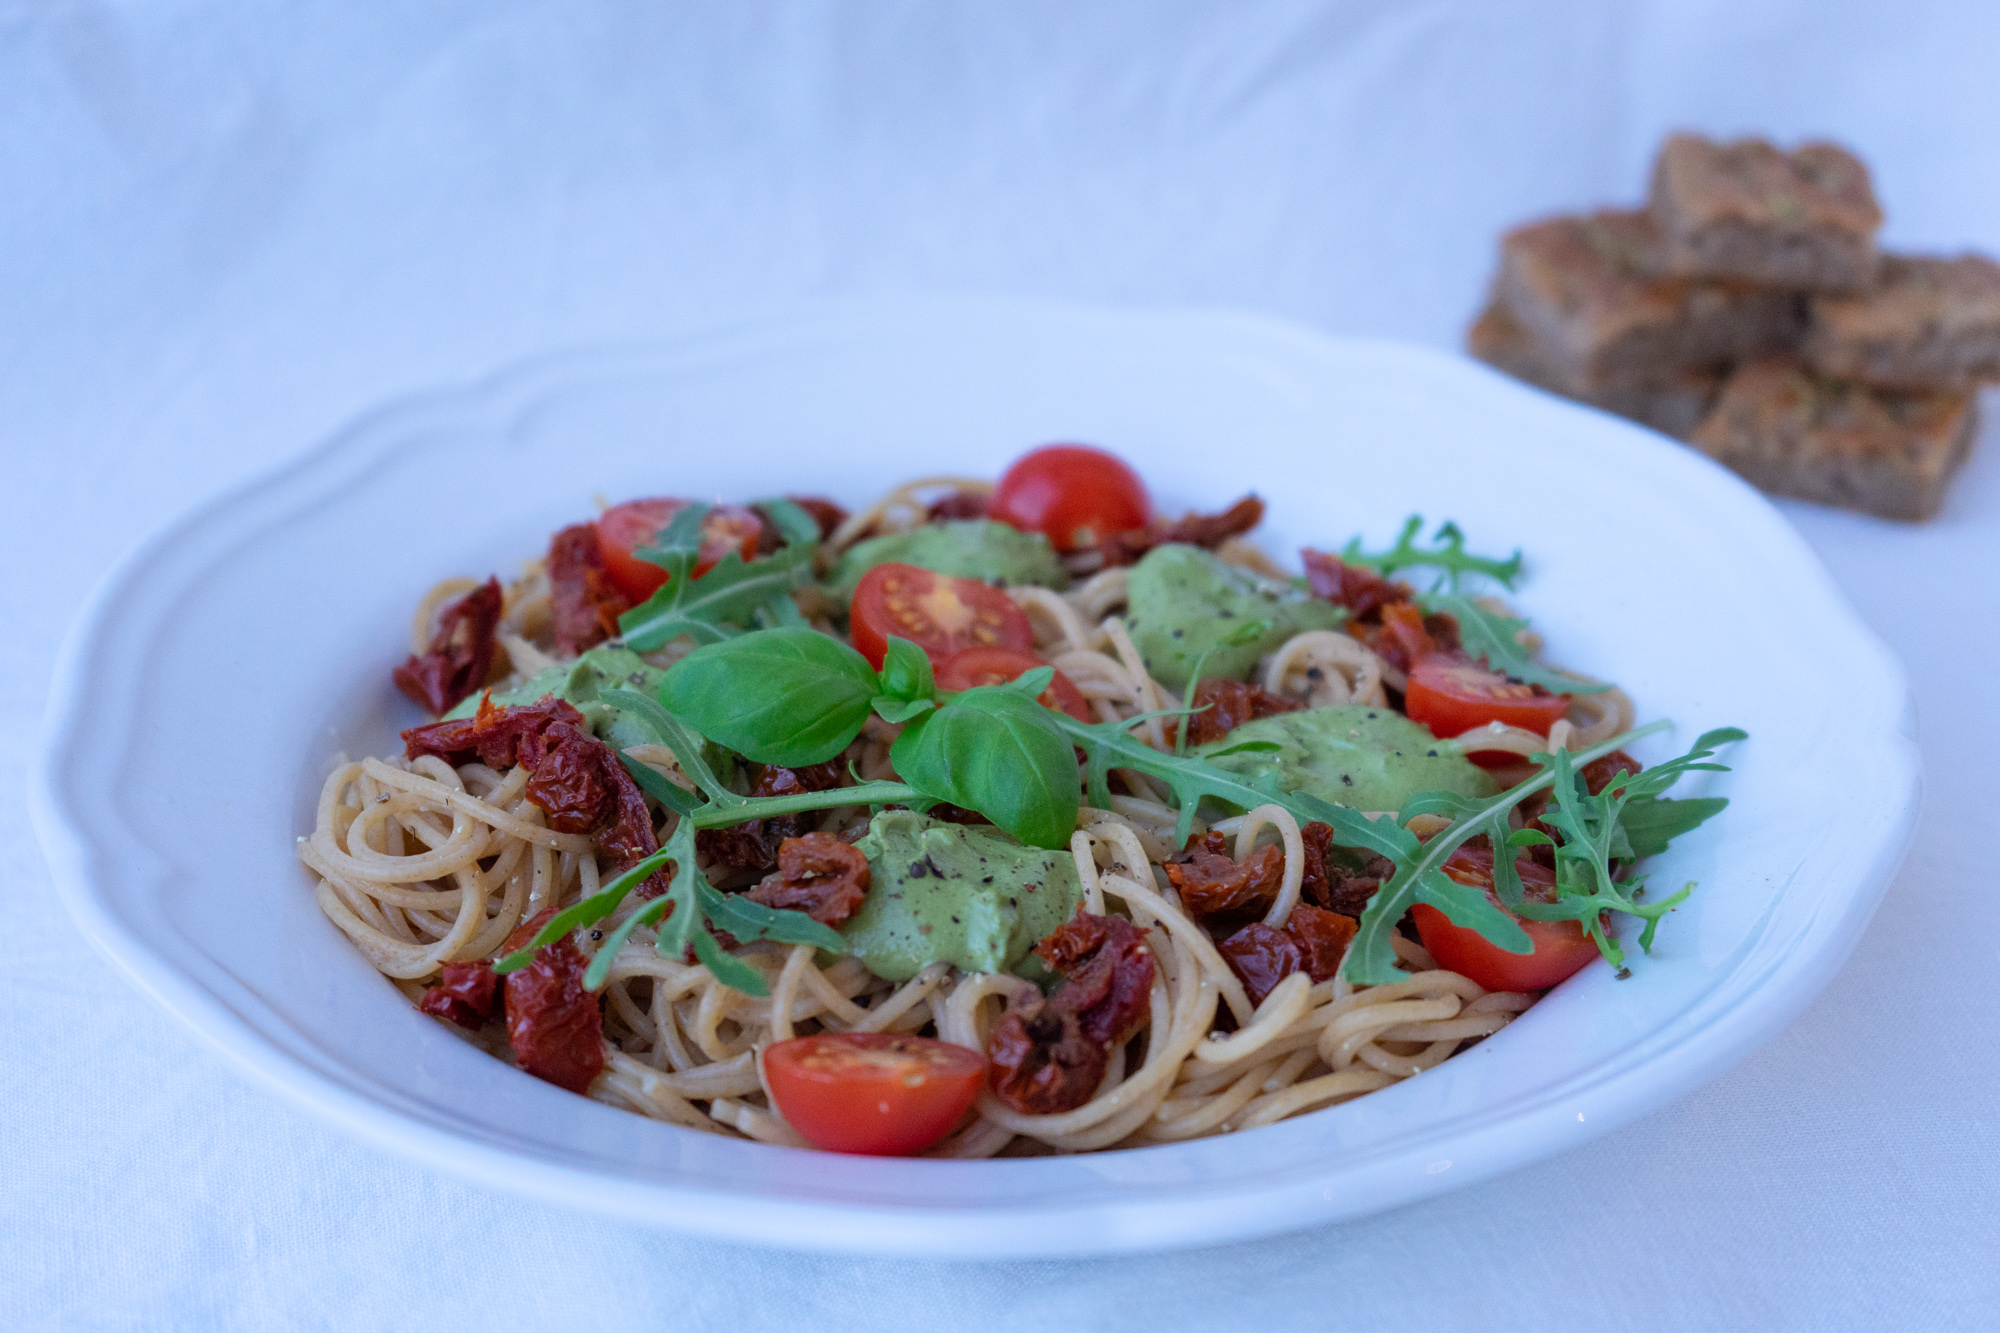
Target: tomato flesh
x,y
1561,947
940,614
1072,494
1451,694
623,529
876,1093
996,666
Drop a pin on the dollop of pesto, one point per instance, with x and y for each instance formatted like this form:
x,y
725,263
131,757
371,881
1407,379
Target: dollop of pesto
x,y
965,895
582,683
973,548
1184,602
1349,754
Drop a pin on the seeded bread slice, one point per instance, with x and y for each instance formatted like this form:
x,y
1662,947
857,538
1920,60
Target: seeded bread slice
x,y
1586,290
1837,442
1751,212
1927,323
1672,405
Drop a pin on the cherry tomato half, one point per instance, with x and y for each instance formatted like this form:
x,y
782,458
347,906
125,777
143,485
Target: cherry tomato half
x,y
997,666
1561,947
940,614
1451,694
872,1092
623,529
1072,494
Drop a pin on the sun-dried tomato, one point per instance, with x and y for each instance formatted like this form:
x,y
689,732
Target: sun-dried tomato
x,y
1222,893
1209,530
460,655
467,994
1050,1055
1228,704
753,845
1331,883
1362,591
1312,942
1472,865
497,736
957,504
553,1023
584,601
819,875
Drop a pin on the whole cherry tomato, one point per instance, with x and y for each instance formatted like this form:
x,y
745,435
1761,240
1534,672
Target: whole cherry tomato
x,y
623,529
1072,494
940,614
877,1093
996,666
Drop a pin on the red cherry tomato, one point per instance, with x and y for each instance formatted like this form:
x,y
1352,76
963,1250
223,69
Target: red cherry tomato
x,y
997,666
1072,494
1561,947
1451,694
623,529
872,1092
940,614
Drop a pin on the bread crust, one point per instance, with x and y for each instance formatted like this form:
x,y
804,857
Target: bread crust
x,y
1790,432
1673,404
1749,211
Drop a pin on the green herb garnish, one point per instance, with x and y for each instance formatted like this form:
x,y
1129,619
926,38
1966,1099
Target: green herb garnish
x,y
724,601
1447,553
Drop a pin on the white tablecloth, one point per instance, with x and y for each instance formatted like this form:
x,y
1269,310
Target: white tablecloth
x,y
225,229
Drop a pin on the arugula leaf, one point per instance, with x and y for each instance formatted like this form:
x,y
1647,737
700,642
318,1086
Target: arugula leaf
x,y
1492,636
1447,552
996,750
779,696
1651,822
720,603
674,734
795,526
669,794
749,921
1586,886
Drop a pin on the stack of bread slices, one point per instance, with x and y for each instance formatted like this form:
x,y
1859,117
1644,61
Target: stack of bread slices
x,y
1747,310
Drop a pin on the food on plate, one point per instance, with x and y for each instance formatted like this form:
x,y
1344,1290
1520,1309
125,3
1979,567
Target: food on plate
x,y
1836,442
1750,265
990,822
1752,212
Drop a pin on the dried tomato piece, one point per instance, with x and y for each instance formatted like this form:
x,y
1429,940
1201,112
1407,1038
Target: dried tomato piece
x,y
1228,704
460,656
1362,591
824,512
1221,892
1049,1056
570,784
1207,530
553,1023
819,875
497,736
1330,883
1472,865
584,601
467,994
1312,941
753,845
958,504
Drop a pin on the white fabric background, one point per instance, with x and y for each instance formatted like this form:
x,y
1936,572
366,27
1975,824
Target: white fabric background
x,y
225,229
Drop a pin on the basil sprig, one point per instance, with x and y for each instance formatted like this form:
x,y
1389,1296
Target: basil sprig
x,y
996,750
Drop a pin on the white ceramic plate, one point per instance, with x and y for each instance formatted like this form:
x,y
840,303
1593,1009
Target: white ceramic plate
x,y
218,670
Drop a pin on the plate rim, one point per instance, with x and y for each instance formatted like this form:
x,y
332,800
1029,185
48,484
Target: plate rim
x,y
895,1229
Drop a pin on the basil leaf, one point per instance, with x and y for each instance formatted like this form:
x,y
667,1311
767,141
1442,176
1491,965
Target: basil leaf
x,y
748,921
995,750
902,710
1032,683
906,671
778,696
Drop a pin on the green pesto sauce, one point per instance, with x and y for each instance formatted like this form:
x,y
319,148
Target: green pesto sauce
x,y
1352,755
1184,602
965,895
581,683
974,548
